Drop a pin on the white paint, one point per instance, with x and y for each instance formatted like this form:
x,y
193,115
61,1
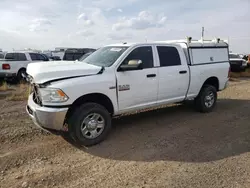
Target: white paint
x,y
172,86
209,55
167,87
43,72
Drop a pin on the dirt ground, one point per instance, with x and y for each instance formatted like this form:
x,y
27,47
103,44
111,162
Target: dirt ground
x,y
170,147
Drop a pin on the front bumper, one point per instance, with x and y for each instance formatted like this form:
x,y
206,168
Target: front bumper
x,y
46,118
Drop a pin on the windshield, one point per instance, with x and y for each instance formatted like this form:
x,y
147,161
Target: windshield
x,y
105,56
234,56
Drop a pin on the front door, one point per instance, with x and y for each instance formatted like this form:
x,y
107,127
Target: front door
x,y
138,88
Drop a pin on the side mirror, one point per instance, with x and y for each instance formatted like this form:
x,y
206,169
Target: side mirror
x,y
132,65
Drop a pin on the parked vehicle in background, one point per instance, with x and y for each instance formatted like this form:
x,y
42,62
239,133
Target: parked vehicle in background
x,y
247,58
248,61
46,57
55,58
237,63
2,55
15,63
85,56
77,99
72,54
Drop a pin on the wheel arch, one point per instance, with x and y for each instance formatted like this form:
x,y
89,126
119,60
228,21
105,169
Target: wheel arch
x,y
213,81
99,98
22,68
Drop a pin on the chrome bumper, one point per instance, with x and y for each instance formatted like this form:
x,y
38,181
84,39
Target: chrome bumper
x,y
46,118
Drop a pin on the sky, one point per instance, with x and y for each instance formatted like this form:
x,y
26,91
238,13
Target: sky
x,y
46,24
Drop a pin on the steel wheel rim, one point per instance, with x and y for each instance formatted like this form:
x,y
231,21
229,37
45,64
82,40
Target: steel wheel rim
x,y
209,99
92,126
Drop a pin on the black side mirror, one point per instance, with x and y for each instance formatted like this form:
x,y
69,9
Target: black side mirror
x,y
132,65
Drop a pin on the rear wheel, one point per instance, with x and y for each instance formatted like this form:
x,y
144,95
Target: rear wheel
x,y
89,124
206,100
20,77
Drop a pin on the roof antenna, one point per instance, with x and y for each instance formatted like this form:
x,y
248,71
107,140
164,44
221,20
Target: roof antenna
x,y
146,40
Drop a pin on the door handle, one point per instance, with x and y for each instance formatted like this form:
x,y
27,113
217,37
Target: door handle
x,y
183,72
151,75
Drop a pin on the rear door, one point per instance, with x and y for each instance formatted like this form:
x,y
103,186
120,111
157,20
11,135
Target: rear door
x,y
138,88
173,74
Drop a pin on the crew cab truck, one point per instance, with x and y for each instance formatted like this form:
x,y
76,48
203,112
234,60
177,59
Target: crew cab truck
x,y
78,99
15,63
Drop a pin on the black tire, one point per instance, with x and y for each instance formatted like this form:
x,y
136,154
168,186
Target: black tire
x,y
77,118
200,101
19,75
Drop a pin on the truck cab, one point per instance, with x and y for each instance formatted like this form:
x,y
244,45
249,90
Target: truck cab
x,y
79,98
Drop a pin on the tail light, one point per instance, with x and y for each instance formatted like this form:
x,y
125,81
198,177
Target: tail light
x,y
5,66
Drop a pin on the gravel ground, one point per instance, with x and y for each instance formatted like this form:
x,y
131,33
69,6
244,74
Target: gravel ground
x,y
170,147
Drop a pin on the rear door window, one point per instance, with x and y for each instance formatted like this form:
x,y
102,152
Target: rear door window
x,y
169,56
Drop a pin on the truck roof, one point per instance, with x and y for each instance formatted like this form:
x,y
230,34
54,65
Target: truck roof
x,y
193,43
28,51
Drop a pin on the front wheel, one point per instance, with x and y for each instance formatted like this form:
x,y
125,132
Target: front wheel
x,y
206,100
89,124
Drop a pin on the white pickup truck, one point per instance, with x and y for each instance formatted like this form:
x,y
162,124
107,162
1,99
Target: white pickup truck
x,y
15,63
78,99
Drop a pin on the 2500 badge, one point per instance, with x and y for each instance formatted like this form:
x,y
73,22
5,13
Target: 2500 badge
x,y
124,87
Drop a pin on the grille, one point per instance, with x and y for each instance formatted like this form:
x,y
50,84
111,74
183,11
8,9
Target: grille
x,y
36,97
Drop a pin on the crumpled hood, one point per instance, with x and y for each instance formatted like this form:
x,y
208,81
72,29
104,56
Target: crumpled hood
x,y
52,70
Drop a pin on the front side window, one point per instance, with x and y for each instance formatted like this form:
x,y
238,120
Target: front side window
x,y
105,56
144,54
40,57
169,56
33,57
21,57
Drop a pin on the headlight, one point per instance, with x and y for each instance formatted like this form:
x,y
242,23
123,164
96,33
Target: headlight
x,y
52,95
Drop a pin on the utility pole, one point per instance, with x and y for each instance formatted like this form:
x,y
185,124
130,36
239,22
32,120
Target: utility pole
x,y
202,33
